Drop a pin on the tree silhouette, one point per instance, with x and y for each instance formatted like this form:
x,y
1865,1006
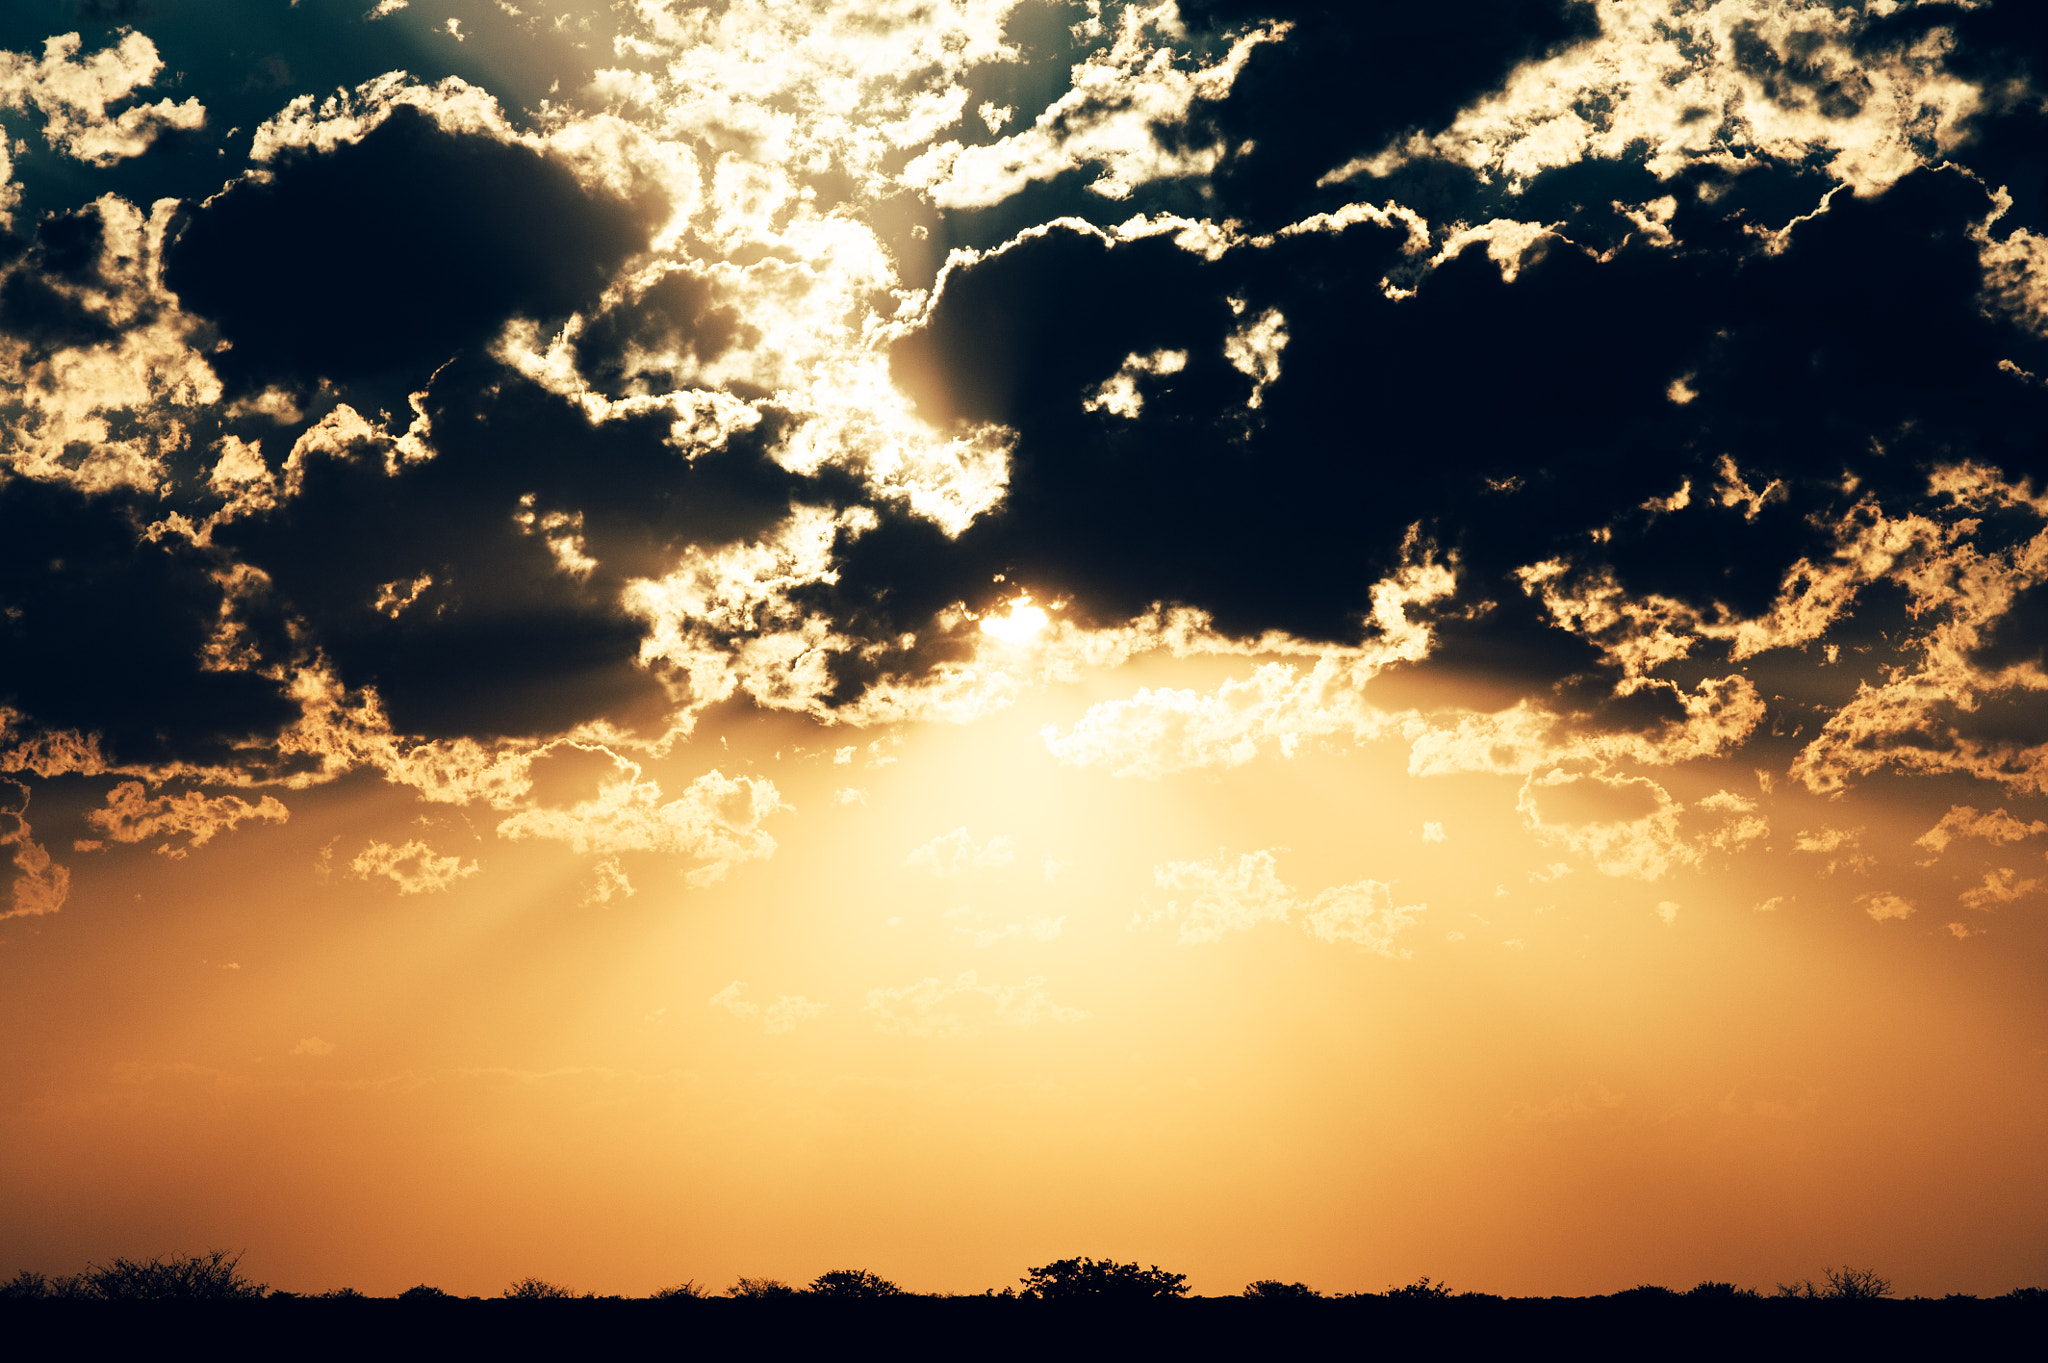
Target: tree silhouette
x,y
215,1276
1422,1289
760,1289
852,1284
424,1293
1272,1289
1843,1284
689,1289
536,1289
1102,1280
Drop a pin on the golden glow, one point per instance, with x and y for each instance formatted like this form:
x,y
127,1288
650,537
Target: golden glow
x,y
1021,625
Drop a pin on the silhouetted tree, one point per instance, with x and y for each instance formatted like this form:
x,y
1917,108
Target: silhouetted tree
x,y
1102,1280
1645,1292
1422,1289
1713,1291
1843,1284
536,1289
424,1293
1272,1289
214,1276
852,1284
689,1289
760,1289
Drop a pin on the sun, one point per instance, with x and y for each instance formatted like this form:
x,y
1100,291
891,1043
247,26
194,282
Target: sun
x,y
1024,623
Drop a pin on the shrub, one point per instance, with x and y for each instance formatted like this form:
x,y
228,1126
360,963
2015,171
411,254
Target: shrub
x,y
760,1289
1422,1289
687,1290
852,1284
424,1293
1102,1280
1272,1289
535,1289
342,1294
215,1276
1713,1291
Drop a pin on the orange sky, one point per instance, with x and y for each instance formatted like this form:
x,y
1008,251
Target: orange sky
x,y
936,637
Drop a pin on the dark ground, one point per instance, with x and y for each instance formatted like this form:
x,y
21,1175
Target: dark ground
x,y
976,1329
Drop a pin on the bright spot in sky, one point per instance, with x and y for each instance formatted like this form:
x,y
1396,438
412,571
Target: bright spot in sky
x,y
1024,622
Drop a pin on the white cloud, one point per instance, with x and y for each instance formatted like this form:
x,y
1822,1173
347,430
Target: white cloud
x,y
1433,832
1253,350
314,1046
412,866
1693,83
777,1019
951,853
1119,96
1119,395
384,9
936,1008
2001,886
1228,897
716,820
1888,906
72,93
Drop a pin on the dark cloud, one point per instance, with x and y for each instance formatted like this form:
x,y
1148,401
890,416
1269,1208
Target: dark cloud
x,y
104,632
1351,78
624,349
504,640
38,299
394,253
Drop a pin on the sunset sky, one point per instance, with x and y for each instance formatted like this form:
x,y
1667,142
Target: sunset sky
x,y
663,640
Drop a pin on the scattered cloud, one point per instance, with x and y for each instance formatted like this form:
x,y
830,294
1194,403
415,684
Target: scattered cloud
x,y
951,853
777,1019
964,1006
413,866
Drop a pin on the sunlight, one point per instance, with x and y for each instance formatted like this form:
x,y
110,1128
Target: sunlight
x,y
1024,623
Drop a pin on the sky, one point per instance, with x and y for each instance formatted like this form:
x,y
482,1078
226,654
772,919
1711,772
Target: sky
x,y
650,641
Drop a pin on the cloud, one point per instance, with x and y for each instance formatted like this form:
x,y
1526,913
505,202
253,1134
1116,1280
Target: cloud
x,y
132,816
1963,821
1886,906
716,820
779,1018
951,853
1713,84
40,885
73,92
2001,886
413,866
1121,97
313,1046
964,1006
1227,897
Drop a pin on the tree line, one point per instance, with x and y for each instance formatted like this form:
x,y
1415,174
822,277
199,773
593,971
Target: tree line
x,y
217,1276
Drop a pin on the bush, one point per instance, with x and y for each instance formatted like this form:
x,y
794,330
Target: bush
x,y
1102,1280
1713,1291
1422,1289
852,1284
535,1289
687,1290
199,1277
1645,1292
424,1293
760,1289
1272,1289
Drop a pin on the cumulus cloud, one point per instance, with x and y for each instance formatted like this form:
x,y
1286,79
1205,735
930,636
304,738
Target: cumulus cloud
x,y
40,885
132,816
716,820
1714,84
1120,97
779,1018
1225,897
413,866
72,93
1963,821
951,853
964,1006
